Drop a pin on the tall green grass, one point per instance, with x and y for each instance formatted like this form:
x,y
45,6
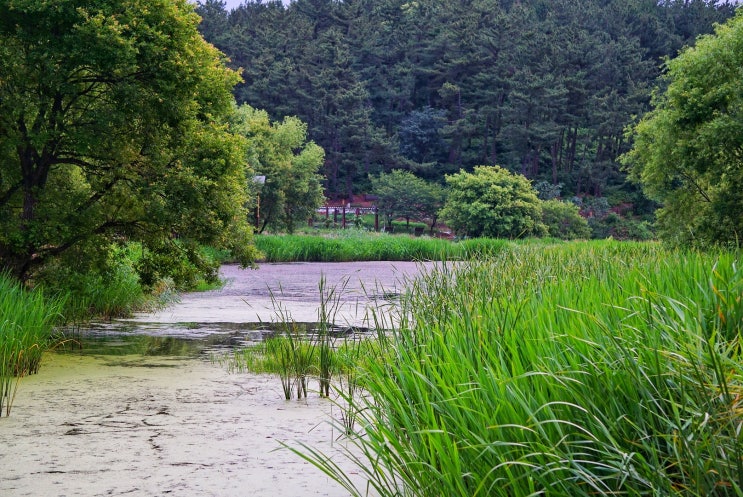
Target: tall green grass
x,y
567,370
300,351
109,289
26,321
354,245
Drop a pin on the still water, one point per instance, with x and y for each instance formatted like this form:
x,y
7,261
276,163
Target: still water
x,y
250,307
137,407
179,340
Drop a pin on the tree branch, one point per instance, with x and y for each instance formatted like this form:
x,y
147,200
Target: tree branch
x,y
696,186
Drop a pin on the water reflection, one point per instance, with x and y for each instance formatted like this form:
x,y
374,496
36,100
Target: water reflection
x,y
181,340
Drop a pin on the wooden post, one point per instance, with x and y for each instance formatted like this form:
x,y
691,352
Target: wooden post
x,y
376,219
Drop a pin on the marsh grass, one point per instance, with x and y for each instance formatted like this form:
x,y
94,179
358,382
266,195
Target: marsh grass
x,y
26,322
289,353
330,301
580,369
297,353
351,358
329,351
354,245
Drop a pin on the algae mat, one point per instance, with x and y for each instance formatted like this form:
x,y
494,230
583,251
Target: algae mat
x,y
153,425
90,426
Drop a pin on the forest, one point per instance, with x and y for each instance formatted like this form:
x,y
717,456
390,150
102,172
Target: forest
x,y
543,88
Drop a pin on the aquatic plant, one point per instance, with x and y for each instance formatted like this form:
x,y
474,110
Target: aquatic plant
x,y
332,352
353,245
330,300
578,369
26,321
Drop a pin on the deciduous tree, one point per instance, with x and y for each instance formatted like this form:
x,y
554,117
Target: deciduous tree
x,y
492,202
403,194
290,188
111,127
688,152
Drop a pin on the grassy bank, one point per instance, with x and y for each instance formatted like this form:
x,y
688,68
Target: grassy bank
x,y
26,321
72,293
355,245
578,369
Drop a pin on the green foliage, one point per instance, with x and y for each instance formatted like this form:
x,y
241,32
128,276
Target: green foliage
x,y
111,127
494,203
563,220
420,135
402,194
26,321
312,349
570,370
543,88
129,278
620,228
687,151
280,153
360,246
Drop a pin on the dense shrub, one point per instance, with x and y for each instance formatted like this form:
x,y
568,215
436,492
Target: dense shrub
x,y
563,220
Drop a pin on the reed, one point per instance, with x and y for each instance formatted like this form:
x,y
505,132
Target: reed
x,y
326,349
354,245
26,322
597,368
330,301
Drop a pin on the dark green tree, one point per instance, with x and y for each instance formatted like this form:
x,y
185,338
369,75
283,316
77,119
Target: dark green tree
x,y
214,24
402,194
420,136
544,88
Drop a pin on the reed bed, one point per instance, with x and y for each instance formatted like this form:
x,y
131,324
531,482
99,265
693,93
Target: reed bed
x,y
580,369
301,351
26,322
354,245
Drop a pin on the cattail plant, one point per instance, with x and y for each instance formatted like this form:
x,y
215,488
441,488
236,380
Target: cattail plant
x,y
578,369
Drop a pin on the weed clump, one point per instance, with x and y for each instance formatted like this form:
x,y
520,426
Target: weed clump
x,y
26,322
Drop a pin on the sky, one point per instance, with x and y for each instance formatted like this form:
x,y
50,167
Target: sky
x,y
231,4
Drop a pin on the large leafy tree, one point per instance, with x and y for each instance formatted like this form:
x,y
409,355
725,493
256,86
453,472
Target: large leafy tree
x,y
688,152
492,202
403,194
111,128
288,186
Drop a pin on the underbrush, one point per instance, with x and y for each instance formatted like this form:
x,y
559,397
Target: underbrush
x,y
128,280
597,368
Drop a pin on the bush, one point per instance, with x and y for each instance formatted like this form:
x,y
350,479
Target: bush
x,y
563,220
492,202
620,228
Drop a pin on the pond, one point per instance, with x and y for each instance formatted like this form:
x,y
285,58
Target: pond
x,y
138,407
